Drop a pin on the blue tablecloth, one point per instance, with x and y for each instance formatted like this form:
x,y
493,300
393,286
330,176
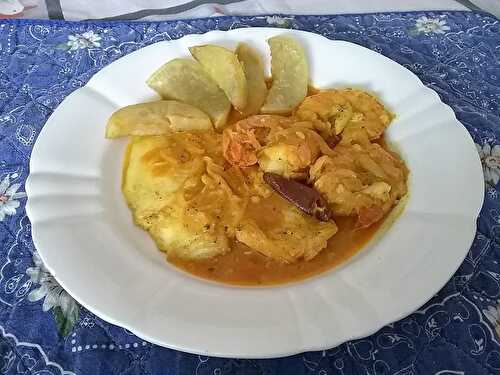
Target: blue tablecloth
x,y
44,331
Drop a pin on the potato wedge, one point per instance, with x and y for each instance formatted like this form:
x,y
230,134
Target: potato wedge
x,y
155,118
186,80
256,81
226,70
290,72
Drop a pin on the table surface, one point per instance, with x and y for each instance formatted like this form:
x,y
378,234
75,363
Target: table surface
x,y
44,331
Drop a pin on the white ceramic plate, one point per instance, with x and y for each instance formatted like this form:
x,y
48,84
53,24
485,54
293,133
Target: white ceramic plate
x,y
83,229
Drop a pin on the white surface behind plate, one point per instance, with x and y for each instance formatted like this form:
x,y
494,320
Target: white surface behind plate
x,y
84,231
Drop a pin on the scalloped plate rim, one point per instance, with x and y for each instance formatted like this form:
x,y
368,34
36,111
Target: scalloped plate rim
x,y
257,352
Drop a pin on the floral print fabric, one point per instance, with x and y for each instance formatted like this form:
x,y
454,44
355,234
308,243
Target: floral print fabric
x,y
44,331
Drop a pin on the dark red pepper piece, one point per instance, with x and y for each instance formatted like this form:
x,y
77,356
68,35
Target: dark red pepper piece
x,y
306,198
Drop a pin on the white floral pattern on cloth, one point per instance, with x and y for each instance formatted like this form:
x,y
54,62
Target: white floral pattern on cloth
x,y
460,64
490,159
9,196
277,21
20,357
492,192
88,39
55,298
426,25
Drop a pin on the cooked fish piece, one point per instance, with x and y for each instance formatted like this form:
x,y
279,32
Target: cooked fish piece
x,y
288,235
152,173
179,191
329,111
242,140
278,144
361,179
290,152
254,178
332,111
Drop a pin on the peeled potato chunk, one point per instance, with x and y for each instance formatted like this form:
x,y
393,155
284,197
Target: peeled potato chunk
x,y
186,80
226,70
155,118
256,81
290,72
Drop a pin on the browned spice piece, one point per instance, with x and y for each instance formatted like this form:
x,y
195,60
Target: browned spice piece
x,y
332,140
302,196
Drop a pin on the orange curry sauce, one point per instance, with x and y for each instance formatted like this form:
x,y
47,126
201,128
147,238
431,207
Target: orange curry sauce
x,y
244,266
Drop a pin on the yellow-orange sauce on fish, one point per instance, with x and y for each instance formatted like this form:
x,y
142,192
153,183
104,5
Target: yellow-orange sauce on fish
x,y
243,266
246,267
